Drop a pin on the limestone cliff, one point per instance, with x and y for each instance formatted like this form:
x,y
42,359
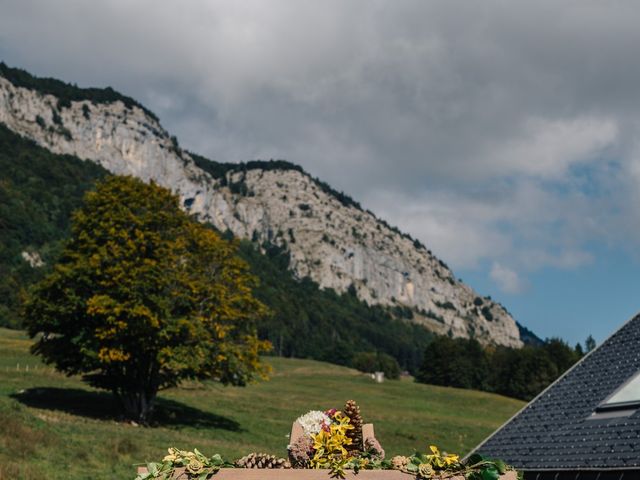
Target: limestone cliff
x,y
331,240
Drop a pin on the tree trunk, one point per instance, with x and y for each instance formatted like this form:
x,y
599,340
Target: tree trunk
x,y
137,405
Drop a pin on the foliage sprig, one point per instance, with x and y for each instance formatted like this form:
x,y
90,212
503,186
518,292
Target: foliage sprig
x,y
433,465
194,463
330,445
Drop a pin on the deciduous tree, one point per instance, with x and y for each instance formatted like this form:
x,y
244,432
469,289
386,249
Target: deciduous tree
x,y
144,297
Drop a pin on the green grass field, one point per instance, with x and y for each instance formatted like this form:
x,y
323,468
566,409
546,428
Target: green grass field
x,y
55,427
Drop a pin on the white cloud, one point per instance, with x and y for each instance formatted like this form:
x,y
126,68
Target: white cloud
x,y
547,148
507,280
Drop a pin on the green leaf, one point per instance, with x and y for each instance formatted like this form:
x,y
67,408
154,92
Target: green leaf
x,y
490,473
153,468
475,458
500,466
412,467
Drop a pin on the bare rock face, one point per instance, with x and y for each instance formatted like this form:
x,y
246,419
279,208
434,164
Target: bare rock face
x,y
331,241
32,258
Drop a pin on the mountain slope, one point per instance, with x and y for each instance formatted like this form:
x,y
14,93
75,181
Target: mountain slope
x,y
328,237
38,192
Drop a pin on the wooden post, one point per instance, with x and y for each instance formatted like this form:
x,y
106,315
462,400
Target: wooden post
x,y
367,432
296,432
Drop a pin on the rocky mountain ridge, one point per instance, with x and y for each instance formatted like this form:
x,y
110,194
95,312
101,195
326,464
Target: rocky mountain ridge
x,y
329,238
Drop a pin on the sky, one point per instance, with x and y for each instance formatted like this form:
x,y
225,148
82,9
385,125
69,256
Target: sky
x,y
505,135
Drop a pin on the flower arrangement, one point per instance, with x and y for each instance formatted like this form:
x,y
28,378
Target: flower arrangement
x,y
331,440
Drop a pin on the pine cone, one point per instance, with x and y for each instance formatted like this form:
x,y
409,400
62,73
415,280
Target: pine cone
x,y
262,460
352,410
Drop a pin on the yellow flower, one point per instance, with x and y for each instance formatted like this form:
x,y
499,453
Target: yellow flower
x,y
441,461
451,459
173,455
329,445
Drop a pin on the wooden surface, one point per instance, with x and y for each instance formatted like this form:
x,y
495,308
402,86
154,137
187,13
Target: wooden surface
x,y
304,474
297,474
296,432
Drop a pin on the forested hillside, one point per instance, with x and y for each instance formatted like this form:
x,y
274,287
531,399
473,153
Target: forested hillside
x,y
38,192
324,325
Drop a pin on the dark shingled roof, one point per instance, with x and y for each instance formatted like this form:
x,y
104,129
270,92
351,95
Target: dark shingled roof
x,y
554,431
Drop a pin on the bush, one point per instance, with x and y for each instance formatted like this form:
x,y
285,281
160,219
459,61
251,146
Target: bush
x,y
486,313
370,362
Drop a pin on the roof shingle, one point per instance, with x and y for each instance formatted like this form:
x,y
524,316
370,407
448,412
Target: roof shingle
x,y
555,432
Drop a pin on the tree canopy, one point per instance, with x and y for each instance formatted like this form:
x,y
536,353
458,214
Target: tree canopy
x,y
144,297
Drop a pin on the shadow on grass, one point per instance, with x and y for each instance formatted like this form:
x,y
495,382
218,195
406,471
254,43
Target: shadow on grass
x,y
103,406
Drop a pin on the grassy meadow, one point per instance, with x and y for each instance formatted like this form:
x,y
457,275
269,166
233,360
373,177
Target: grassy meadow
x,y
55,427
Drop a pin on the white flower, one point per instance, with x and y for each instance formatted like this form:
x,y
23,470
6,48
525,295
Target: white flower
x,y
313,422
